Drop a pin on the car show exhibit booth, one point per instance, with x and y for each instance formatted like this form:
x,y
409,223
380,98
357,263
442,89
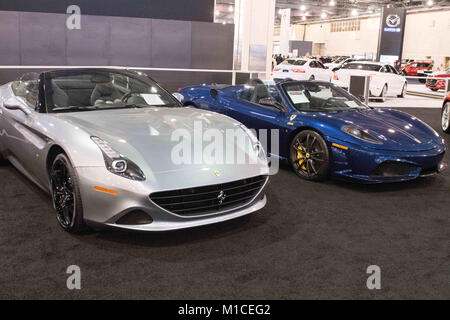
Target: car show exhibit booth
x,y
158,34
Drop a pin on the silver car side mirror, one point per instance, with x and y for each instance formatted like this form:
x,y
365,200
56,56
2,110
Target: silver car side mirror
x,y
14,104
178,96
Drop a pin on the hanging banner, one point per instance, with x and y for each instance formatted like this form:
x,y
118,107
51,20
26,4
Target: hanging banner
x,y
285,31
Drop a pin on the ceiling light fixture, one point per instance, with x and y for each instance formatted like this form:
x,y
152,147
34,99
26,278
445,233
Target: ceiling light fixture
x,y
323,15
230,8
430,3
303,7
304,18
217,12
354,12
332,3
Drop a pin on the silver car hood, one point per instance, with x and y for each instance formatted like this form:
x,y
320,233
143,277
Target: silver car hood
x,y
145,136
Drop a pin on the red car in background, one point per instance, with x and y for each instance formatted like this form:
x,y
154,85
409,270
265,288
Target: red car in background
x,y
412,68
436,84
445,114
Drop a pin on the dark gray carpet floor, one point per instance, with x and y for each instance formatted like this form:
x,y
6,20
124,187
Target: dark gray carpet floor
x,y
312,241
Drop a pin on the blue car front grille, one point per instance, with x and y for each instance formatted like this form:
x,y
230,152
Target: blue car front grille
x,y
394,169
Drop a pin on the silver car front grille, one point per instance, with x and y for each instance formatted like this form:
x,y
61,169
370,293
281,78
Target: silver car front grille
x,y
210,199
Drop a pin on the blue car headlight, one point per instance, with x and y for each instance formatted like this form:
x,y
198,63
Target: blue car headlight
x,y
360,134
118,164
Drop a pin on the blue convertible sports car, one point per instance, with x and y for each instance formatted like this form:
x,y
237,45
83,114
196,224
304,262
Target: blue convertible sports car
x,y
325,131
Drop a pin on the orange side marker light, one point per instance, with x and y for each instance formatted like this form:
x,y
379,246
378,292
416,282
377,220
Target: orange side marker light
x,y
339,146
109,191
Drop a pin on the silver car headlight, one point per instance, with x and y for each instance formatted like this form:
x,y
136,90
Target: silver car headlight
x,y
257,146
260,151
118,164
360,134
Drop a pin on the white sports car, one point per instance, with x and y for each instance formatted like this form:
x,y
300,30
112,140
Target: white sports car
x,y
384,79
338,63
302,69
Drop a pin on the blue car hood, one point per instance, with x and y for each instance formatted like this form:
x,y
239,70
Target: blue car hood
x,y
396,130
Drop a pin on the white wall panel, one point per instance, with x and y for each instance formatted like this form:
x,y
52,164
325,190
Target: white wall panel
x,y
345,43
427,35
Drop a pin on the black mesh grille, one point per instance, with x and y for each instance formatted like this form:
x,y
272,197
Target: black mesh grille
x,y
394,169
429,171
209,199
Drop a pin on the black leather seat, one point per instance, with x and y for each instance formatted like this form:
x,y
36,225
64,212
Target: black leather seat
x,y
60,97
105,92
260,92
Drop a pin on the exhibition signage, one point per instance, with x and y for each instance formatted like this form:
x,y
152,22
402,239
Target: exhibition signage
x,y
392,29
285,31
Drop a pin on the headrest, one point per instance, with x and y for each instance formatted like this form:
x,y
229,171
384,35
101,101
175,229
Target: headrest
x,y
101,78
254,82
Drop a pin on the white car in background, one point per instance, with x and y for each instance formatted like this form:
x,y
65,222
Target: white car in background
x,y
384,79
338,63
302,69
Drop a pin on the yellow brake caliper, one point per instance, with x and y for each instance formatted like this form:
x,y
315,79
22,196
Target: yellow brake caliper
x,y
301,160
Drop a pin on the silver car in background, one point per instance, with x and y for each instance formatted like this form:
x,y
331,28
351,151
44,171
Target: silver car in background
x,y
99,141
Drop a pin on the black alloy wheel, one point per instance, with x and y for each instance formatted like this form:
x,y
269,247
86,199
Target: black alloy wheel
x,y
2,160
309,156
66,195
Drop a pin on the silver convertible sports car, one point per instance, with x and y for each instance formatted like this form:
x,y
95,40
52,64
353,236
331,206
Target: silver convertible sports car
x,y
100,141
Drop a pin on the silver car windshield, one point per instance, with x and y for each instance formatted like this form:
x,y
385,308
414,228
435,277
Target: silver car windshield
x,y
27,87
88,90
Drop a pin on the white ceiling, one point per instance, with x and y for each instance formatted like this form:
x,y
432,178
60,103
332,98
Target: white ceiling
x,y
313,9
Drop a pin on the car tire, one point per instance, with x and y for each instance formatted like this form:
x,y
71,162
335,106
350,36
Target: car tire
x,y
434,89
312,78
403,93
309,156
3,161
382,96
445,118
66,196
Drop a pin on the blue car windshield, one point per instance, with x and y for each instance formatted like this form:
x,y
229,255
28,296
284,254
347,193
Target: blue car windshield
x,y
313,96
255,90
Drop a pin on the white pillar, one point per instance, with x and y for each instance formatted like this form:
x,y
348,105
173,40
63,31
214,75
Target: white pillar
x,y
285,27
253,37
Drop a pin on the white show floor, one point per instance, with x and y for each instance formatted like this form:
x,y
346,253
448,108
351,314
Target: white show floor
x,y
409,101
421,88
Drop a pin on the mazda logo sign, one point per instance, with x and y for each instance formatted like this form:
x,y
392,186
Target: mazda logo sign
x,y
393,20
